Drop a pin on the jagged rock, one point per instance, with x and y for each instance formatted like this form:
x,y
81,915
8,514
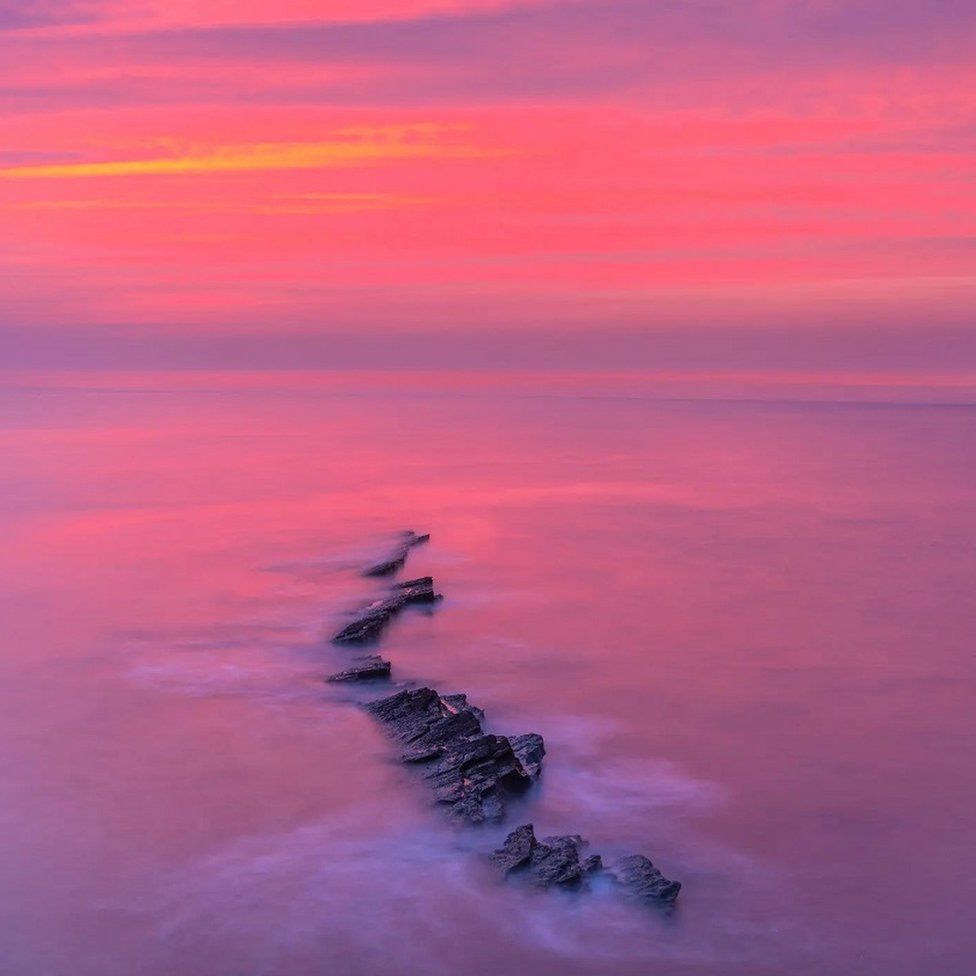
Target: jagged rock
x,y
556,861
410,713
638,874
516,850
442,736
397,557
468,769
472,773
364,670
592,864
460,703
372,619
530,750
551,861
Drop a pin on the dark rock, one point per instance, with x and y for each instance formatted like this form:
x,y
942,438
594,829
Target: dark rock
x,y
469,770
372,619
555,861
420,590
460,703
364,670
643,880
442,735
472,774
397,557
592,864
410,713
516,851
530,750
551,861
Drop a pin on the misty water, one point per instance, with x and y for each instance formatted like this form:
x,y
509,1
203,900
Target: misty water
x,y
745,630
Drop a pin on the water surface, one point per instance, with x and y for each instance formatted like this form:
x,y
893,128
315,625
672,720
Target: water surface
x,y
744,629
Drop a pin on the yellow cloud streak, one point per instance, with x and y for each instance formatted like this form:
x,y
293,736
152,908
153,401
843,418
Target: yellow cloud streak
x,y
371,146
301,204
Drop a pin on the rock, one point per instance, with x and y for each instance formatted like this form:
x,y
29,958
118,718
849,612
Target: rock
x,y
530,750
460,703
442,736
420,590
364,670
468,769
555,861
644,881
410,714
471,771
471,775
397,557
551,861
372,619
516,851
592,864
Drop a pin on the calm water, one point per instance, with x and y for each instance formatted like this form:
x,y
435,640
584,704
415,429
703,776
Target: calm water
x,y
745,630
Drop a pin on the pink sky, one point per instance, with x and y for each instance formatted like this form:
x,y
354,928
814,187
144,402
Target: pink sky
x,y
287,167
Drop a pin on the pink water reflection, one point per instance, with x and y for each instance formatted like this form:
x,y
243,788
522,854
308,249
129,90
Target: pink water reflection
x,y
744,629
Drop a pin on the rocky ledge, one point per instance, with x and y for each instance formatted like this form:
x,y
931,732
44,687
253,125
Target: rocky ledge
x,y
369,621
365,669
397,556
556,861
469,770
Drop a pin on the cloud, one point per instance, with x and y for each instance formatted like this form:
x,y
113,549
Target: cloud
x,y
788,35
355,146
565,161
306,204
22,14
122,16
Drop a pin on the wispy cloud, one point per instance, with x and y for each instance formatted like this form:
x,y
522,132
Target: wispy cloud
x,y
120,16
486,161
302,204
352,147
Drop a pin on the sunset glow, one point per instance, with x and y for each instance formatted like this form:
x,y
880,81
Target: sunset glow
x,y
459,165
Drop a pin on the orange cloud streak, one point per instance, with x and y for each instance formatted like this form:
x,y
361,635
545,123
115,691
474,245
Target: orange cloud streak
x,y
361,146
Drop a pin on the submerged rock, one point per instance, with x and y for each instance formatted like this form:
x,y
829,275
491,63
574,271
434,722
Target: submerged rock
x,y
364,670
469,770
516,851
398,556
555,861
551,861
644,881
373,618
592,864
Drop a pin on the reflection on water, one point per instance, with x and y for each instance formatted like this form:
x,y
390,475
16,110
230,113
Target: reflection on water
x,y
744,629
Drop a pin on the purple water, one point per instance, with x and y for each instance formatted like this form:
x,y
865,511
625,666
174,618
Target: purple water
x,y
745,630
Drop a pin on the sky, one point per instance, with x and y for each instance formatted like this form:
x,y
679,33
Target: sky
x,y
629,182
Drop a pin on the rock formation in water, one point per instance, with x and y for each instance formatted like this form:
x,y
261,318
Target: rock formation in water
x,y
398,556
638,874
365,669
372,619
556,861
469,770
